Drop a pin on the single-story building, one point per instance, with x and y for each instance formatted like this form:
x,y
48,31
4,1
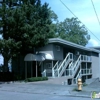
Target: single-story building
x,y
60,58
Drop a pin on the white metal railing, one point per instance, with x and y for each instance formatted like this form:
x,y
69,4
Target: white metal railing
x,y
58,69
70,65
72,68
56,65
86,71
80,59
54,72
76,63
77,77
64,64
86,58
55,68
69,72
44,73
81,72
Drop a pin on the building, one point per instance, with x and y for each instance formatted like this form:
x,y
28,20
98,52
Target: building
x,y
60,58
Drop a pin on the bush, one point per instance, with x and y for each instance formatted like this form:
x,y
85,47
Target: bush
x,y
84,84
34,79
75,89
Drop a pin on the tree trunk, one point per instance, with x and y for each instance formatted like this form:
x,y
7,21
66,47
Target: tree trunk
x,y
5,66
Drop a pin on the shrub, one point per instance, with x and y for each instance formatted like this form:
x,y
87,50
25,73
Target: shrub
x,y
75,89
84,84
33,79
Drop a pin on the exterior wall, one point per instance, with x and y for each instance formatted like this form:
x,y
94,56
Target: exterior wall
x,y
97,48
47,49
58,52
55,50
95,65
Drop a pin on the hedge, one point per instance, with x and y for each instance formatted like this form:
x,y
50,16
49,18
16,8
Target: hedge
x,y
34,79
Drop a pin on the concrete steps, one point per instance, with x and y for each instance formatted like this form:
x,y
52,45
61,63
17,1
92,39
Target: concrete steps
x,y
58,80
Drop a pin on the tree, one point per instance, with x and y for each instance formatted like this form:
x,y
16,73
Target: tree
x,y
73,30
23,27
6,42
53,26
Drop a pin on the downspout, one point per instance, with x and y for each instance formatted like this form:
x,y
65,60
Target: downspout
x,y
52,70
99,67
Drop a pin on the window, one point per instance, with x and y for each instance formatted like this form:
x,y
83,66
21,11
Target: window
x,y
58,48
48,65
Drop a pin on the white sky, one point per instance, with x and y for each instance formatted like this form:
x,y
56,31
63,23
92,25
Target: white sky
x,y
83,9
1,59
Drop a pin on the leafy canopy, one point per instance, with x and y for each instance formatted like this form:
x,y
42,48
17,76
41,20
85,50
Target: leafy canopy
x,y
72,30
24,26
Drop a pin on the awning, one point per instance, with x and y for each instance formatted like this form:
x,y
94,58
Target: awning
x,y
34,57
47,56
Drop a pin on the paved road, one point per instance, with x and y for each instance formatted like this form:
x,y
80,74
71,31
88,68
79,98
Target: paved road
x,y
42,91
6,95
36,88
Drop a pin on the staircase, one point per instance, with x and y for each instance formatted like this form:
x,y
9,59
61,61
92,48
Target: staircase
x,y
76,65
60,67
72,68
78,76
55,68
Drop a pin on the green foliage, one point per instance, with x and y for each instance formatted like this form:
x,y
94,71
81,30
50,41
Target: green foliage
x,y
27,26
34,79
75,89
84,84
17,78
73,30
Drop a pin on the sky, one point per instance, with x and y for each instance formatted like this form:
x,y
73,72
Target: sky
x,y
83,9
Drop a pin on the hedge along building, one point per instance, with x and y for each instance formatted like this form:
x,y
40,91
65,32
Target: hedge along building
x,y
60,58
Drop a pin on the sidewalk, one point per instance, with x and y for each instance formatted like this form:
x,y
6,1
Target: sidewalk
x,y
51,89
86,90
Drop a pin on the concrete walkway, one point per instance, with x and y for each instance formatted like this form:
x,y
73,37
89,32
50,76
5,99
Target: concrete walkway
x,y
87,90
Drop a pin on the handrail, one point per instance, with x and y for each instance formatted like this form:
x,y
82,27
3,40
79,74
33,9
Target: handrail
x,y
86,71
44,73
73,67
82,72
86,58
59,66
70,65
69,72
58,69
76,63
78,75
65,62
55,66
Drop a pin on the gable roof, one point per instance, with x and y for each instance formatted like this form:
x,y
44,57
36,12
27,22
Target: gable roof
x,y
67,43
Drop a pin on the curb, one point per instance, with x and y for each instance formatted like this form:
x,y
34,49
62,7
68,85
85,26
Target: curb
x,y
84,96
79,95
